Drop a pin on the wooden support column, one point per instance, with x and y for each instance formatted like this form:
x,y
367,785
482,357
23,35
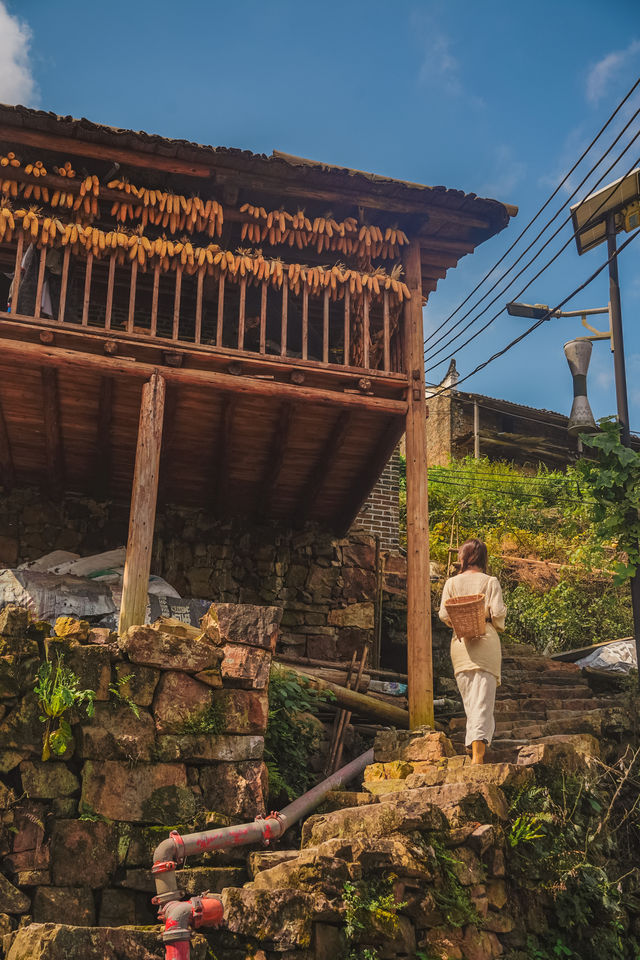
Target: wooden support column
x,y
7,469
419,658
143,505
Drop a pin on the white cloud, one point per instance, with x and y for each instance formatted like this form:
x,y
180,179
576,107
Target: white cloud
x,y
440,69
608,69
17,84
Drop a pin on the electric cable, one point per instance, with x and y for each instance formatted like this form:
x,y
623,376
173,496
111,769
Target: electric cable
x,y
536,276
514,495
543,207
499,295
547,316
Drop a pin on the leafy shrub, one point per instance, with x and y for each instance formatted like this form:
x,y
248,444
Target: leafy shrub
x,y
292,736
58,691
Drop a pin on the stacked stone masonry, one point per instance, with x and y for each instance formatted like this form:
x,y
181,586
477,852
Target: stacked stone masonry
x,y
425,818
326,587
77,832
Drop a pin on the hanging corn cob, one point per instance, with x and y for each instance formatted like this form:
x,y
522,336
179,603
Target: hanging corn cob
x,y
245,263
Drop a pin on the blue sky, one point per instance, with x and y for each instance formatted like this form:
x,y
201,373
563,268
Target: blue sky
x,y
498,98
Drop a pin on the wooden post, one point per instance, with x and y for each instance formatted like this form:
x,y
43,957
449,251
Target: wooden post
x,y
419,660
476,430
143,505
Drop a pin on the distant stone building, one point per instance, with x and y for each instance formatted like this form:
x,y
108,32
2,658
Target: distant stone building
x,y
461,424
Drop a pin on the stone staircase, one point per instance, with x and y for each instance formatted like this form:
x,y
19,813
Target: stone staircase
x,y
423,814
541,699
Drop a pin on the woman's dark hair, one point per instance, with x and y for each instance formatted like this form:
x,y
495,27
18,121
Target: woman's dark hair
x,y
473,553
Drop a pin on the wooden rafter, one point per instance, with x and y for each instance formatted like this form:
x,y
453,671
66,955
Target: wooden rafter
x,y
387,442
7,468
321,468
224,451
103,455
52,431
275,460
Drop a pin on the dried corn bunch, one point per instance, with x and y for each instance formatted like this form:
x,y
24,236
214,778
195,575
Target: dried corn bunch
x,y
66,170
325,233
172,254
168,210
7,220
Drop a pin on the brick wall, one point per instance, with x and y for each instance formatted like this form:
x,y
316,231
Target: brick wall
x,y
380,515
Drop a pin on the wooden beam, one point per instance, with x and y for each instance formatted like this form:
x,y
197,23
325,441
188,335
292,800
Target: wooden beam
x,y
321,468
102,453
223,454
143,505
7,468
275,459
74,147
387,442
52,433
419,654
49,355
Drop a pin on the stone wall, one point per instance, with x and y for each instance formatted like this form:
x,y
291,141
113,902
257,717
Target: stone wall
x,y
324,586
177,738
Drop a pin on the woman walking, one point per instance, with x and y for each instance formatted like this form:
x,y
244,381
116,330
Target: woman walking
x,y
477,660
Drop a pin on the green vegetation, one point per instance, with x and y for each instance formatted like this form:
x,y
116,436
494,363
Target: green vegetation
x,y
566,519
209,721
613,481
115,689
292,736
572,849
58,691
371,909
452,898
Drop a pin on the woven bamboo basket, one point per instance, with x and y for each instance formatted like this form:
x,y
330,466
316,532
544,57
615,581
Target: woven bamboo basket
x,y
467,615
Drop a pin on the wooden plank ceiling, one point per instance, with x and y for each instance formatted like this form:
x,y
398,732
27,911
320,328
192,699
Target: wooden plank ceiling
x,y
72,428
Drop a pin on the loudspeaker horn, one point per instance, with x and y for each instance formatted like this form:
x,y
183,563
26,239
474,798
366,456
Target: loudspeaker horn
x,y
578,354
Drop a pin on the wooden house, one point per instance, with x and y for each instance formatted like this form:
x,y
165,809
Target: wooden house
x,y
245,329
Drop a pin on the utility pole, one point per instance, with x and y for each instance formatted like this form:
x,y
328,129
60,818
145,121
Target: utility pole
x,y
621,393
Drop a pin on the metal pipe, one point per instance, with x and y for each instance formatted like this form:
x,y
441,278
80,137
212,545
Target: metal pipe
x,y
180,916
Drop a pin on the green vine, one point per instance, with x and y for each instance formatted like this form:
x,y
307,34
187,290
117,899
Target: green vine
x,y
613,480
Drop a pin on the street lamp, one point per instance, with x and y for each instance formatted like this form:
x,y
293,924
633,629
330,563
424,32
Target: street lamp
x,y
578,354
598,218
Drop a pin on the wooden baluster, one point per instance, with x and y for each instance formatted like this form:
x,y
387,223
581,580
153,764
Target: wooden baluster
x,y
385,322
64,284
198,326
154,300
110,284
88,270
365,329
347,326
17,273
220,311
283,325
241,312
305,322
132,295
43,260
325,328
263,319
176,304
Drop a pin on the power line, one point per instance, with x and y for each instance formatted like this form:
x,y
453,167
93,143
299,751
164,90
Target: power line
x,y
499,295
494,476
538,274
522,495
544,319
543,207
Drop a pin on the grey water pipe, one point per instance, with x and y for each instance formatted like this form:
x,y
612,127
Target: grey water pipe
x,y
180,916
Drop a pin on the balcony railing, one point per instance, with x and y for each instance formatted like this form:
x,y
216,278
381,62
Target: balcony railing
x,y
209,310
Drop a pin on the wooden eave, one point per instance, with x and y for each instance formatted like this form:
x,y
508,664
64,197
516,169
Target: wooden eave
x,y
450,223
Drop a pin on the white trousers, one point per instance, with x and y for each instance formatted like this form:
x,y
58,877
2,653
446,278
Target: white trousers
x,y
478,691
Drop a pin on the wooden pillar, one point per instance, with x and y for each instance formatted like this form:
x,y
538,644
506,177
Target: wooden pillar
x,y
143,505
476,430
419,659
